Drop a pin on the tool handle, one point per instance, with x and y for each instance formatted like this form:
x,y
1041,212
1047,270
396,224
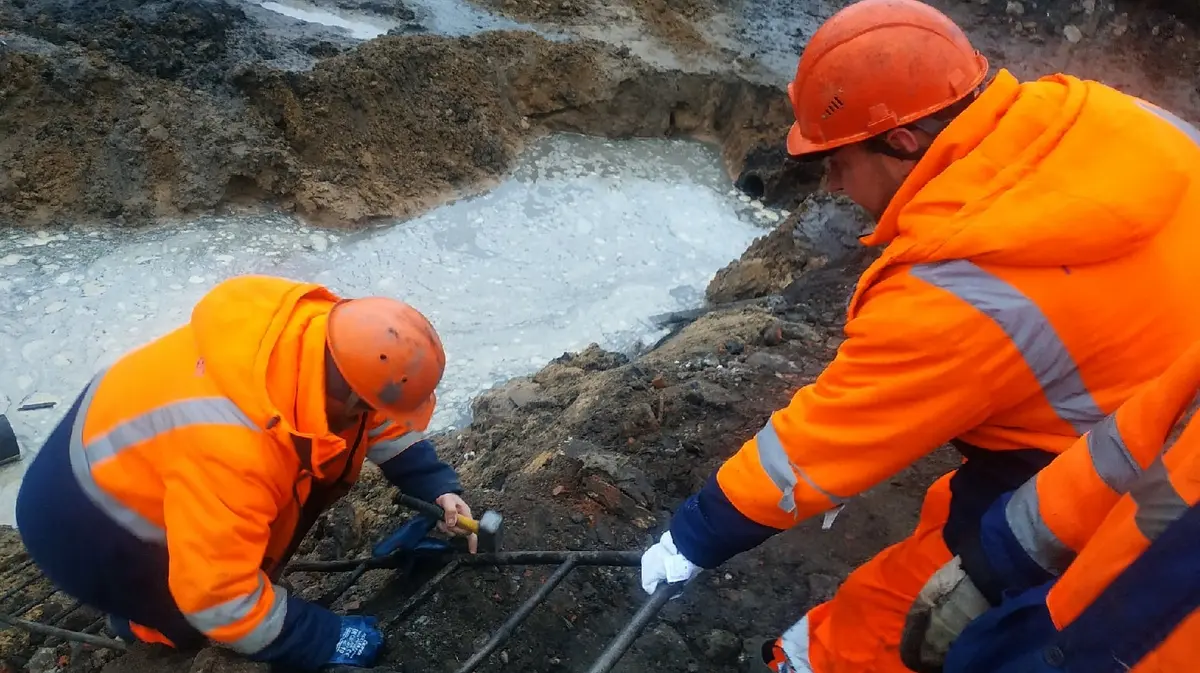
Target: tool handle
x,y
436,511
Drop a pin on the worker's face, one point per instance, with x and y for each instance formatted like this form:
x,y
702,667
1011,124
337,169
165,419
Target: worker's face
x,y
341,403
869,178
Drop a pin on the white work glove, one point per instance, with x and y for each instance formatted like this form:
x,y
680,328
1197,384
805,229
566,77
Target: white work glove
x,y
663,562
948,602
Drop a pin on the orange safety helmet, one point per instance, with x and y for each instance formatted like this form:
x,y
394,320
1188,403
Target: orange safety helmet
x,y
389,354
876,65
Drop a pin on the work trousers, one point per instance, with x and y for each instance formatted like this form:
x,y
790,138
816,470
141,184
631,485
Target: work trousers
x,y
87,555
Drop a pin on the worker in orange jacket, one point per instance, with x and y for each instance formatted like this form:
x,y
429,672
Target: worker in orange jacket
x,y
1039,267
184,476
1091,563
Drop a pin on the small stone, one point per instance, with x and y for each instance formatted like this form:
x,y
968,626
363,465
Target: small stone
x,y
1089,6
504,656
1073,34
721,646
771,361
659,382
772,334
43,661
1014,8
734,347
557,490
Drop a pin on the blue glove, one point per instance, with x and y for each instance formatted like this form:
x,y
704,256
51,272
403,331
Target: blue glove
x,y
412,535
359,642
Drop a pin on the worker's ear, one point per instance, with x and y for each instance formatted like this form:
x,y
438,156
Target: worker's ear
x,y
903,141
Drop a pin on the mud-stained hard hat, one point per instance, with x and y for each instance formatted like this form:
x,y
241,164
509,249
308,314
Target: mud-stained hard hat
x,y
390,356
876,65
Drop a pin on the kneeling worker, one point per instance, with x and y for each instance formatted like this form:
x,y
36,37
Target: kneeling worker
x,y
184,476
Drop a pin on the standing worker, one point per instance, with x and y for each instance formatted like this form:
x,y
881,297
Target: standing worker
x,y
1040,267
1092,562
185,475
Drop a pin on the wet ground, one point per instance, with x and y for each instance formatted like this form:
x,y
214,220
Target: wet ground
x,y
585,241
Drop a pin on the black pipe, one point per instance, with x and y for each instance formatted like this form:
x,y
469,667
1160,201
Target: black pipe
x,y
620,645
585,558
514,620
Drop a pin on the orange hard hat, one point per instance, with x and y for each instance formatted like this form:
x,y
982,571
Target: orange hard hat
x,y
876,65
390,356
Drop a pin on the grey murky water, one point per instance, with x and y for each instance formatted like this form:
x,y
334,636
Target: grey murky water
x,y
585,241
453,18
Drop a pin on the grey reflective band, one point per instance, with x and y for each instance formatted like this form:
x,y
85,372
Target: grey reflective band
x,y
1029,330
1111,457
1192,132
1024,517
142,428
384,451
1158,503
237,609
782,471
379,430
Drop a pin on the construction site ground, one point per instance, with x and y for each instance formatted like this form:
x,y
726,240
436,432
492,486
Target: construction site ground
x,y
128,111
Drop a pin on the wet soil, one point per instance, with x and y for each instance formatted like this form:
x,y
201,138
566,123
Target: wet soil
x,y
595,450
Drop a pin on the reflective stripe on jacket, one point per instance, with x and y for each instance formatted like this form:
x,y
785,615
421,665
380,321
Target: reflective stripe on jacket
x,y
1038,270
212,438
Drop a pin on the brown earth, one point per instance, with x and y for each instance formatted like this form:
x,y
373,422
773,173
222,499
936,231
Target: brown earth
x,y
595,450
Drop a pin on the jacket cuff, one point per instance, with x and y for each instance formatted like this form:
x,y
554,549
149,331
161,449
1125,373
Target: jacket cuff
x,y
307,640
708,530
420,473
994,559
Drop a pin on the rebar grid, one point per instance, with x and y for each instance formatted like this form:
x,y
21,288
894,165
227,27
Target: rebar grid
x,y
567,561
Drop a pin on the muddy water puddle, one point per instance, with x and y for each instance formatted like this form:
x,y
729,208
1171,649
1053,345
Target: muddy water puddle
x,y
583,242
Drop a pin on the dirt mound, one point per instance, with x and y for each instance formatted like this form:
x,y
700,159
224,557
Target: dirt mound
x,y
198,43
389,129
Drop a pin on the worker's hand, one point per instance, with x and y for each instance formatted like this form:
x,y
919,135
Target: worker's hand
x,y
663,562
946,605
453,505
359,642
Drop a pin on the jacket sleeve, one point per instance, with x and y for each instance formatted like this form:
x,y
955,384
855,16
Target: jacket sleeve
x,y
217,508
410,462
1032,534
901,385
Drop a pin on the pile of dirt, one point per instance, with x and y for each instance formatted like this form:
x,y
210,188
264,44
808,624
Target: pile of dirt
x,y
131,129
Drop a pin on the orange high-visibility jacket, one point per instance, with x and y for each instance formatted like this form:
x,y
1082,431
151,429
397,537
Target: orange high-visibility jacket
x,y
1039,268
211,438
1125,499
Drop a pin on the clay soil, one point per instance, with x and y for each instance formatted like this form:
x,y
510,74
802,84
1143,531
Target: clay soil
x,y
104,115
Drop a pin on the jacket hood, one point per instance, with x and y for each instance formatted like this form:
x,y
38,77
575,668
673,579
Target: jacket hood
x,y
262,339
1047,173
